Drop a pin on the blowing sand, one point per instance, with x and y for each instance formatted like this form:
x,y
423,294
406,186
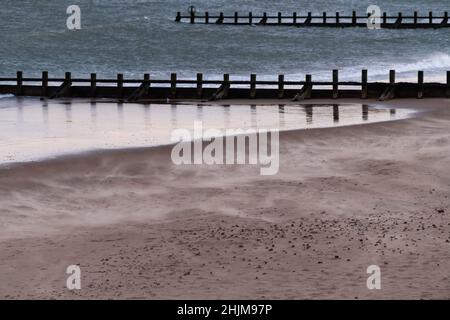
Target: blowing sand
x,y
139,227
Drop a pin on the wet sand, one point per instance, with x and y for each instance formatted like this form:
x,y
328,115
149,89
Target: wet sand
x,y
139,227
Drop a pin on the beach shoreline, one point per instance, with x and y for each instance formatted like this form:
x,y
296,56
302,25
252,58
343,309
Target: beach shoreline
x,y
140,227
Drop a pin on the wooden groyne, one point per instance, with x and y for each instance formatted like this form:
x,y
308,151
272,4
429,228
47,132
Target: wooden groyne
x,y
335,20
148,89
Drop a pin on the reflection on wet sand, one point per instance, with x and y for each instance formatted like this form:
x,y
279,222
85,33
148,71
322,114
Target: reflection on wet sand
x,y
33,129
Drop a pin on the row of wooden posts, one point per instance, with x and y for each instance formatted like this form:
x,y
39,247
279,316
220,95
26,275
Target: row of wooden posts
x,y
309,20
197,88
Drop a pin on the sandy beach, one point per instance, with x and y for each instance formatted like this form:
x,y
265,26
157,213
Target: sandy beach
x,y
140,227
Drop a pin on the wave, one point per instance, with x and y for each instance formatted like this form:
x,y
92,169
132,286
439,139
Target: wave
x,y
6,96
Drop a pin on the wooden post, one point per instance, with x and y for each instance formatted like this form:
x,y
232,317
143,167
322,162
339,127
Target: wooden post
x,y
252,86
335,84
337,17
364,84
199,85
392,77
19,87
308,79
220,20
399,19
93,84
178,18
420,85
44,83
448,83
147,80
354,17
415,18
430,17
206,17
250,18
280,86
324,17
120,85
294,18
279,17
173,85
236,18
192,17
68,80
384,18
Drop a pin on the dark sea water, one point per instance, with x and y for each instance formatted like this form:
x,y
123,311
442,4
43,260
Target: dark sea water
x,y
133,37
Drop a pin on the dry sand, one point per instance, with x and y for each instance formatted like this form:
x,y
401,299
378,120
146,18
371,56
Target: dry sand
x,y
139,227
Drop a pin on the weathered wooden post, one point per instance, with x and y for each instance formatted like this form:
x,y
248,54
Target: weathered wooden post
x,y
280,86
337,18
420,85
392,77
399,20
250,18
220,19
415,18
44,83
192,16
68,83
294,18
324,17
308,80
93,84
279,17
252,86
173,85
19,86
236,18
68,78
120,85
448,83
335,84
264,18
364,84
389,91
206,17
199,85
147,81
309,18
354,17
430,17
178,18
